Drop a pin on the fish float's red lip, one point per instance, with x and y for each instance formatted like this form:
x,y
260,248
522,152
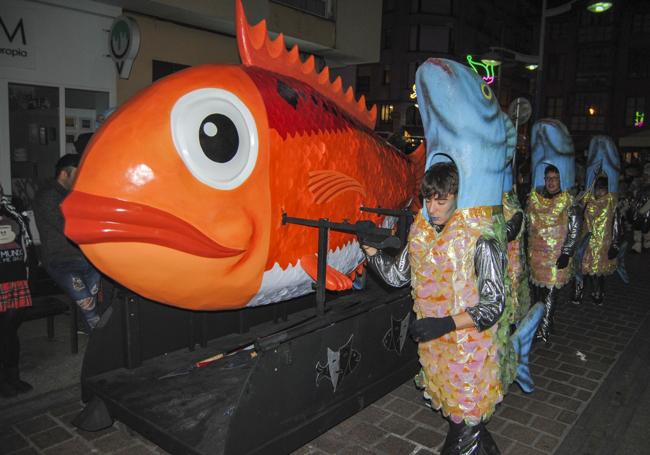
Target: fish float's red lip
x,y
97,219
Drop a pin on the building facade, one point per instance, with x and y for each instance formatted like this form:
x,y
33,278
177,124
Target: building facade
x,y
597,76
415,30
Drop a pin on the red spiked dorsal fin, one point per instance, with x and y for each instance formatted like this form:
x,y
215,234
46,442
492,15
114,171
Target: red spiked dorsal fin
x,y
257,49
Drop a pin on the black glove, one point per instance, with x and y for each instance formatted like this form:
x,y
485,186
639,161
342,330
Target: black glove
x,y
562,261
612,252
427,329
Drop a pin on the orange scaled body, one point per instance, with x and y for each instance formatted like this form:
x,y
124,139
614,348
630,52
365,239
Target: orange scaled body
x,y
149,211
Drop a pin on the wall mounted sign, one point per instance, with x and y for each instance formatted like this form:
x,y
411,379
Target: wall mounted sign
x,y
123,44
16,40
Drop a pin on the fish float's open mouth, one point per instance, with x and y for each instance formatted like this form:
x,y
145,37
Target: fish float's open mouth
x,y
96,219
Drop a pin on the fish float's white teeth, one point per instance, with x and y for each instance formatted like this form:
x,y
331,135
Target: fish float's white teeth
x,y
282,284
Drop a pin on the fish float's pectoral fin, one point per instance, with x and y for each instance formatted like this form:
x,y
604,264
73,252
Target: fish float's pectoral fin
x,y
334,280
358,277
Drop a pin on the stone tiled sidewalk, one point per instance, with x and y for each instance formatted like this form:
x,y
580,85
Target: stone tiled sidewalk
x,y
568,371
585,346
52,433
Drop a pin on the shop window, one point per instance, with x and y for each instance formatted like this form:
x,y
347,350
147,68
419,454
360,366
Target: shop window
x,y
33,138
635,109
82,109
160,69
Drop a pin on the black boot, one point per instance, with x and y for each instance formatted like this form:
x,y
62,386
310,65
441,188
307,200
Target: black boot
x,y
463,439
13,378
598,294
578,290
546,324
6,389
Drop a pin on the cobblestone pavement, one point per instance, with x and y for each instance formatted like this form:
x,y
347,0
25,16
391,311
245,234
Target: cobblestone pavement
x,y
568,371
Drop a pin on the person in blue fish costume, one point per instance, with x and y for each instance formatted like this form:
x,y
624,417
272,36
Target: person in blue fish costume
x,y
554,217
602,230
455,260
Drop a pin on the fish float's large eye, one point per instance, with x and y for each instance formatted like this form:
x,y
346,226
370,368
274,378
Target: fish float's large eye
x,y
216,137
487,93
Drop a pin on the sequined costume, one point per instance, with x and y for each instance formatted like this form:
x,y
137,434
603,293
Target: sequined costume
x,y
463,370
602,232
554,224
553,220
602,220
517,267
602,224
553,230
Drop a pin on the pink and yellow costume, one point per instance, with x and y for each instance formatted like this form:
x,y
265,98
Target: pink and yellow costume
x,y
466,372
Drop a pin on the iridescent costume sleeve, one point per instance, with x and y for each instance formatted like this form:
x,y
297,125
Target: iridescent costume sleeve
x,y
393,270
574,226
490,264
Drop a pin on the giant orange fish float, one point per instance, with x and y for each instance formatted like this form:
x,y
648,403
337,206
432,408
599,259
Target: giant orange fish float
x,y
180,194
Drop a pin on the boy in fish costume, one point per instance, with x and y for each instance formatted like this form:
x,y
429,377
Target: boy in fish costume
x,y
455,259
602,224
554,219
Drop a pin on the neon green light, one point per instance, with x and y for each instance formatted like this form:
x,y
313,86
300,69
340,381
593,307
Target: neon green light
x,y
487,68
639,118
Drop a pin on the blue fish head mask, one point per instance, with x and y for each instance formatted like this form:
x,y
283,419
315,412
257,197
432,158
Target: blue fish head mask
x,y
463,123
603,157
551,144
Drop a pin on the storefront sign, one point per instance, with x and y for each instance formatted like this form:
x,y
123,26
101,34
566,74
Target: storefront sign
x,y
16,46
123,44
